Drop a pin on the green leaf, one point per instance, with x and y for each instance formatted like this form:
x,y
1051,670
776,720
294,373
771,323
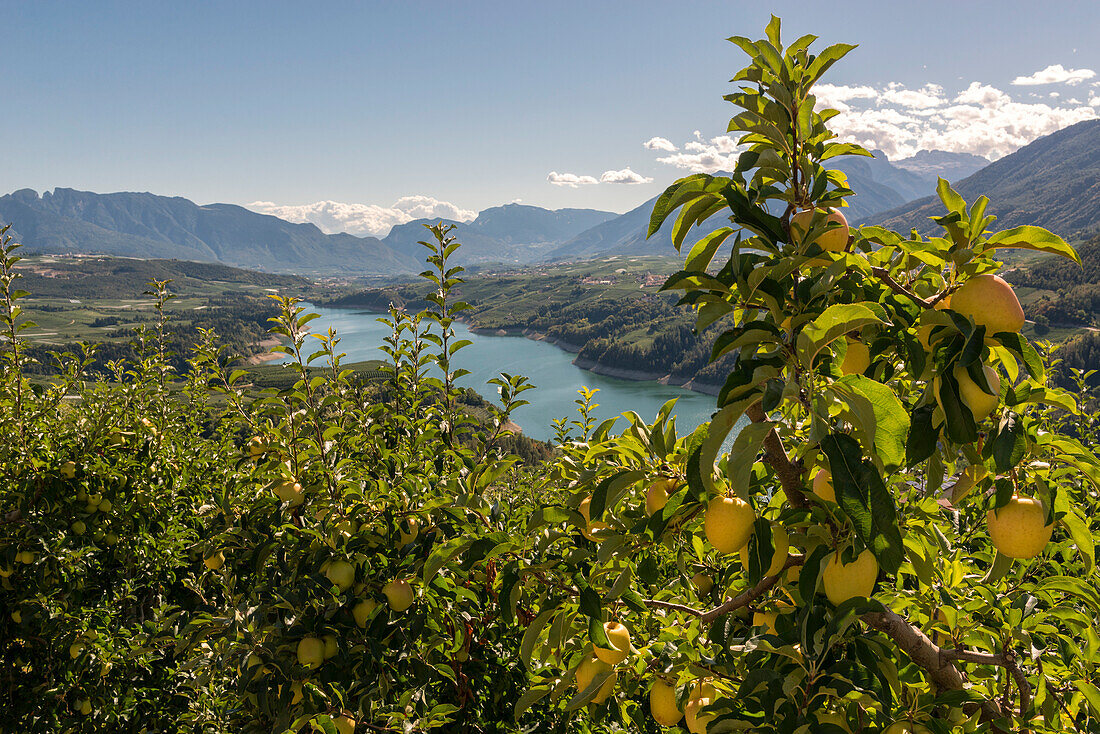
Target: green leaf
x,y
891,422
824,60
864,498
1027,237
717,430
533,633
1010,443
529,698
950,198
1078,530
923,436
742,455
1091,694
836,321
702,252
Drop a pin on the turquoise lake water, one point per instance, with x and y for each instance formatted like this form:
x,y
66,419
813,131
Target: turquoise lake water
x,y
550,369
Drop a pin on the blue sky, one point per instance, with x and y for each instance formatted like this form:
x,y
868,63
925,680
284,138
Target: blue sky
x,y
356,115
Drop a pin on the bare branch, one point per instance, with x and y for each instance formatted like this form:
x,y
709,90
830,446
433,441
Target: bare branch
x,y
884,275
741,600
789,472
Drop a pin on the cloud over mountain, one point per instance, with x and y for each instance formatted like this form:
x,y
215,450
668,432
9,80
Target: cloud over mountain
x,y
364,219
573,180
1055,74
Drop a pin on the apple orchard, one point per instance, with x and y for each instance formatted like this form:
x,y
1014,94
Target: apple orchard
x,y
888,525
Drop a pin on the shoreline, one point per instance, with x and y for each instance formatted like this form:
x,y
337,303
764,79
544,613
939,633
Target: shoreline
x,y
589,365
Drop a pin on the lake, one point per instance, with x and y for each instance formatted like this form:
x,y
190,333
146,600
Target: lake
x,y
550,369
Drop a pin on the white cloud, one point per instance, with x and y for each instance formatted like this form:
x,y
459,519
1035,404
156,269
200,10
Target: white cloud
x,y
705,155
1055,74
625,176
980,119
657,143
364,219
571,180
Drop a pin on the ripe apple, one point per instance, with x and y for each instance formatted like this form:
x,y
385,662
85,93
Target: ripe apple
x,y
341,574
973,396
856,359
619,637
766,619
587,671
823,486
85,707
990,302
662,704
6,571
17,617
214,561
696,722
779,554
728,523
26,558
1019,529
362,611
332,645
311,652
399,594
105,506
657,495
702,583
289,491
79,527
907,727
404,538
68,469
843,581
116,438
257,447
832,239
592,527
702,688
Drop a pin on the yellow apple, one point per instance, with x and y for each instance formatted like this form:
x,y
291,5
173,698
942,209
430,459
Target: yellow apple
x,y
116,438
311,652
587,671
592,526
105,506
6,571
404,538
662,704
86,707
341,574
68,469
990,302
702,688
823,486
766,619
833,239
79,527
362,611
728,523
844,581
214,561
26,558
1019,529
980,403
289,491
697,722
619,637
857,359
907,727
75,649
702,583
257,447
657,495
400,595
779,554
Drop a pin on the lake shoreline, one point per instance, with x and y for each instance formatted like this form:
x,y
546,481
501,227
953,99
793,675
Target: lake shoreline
x,y
589,365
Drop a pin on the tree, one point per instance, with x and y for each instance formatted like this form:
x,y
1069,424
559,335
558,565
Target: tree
x,y
869,357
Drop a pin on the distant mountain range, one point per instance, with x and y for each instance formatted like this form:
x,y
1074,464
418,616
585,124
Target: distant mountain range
x,y
150,226
1054,183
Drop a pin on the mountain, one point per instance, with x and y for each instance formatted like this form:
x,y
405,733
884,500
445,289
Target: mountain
x,y
934,164
513,233
1054,182
150,226
878,184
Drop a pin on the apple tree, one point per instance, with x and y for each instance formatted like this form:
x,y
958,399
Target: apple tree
x,y
889,522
